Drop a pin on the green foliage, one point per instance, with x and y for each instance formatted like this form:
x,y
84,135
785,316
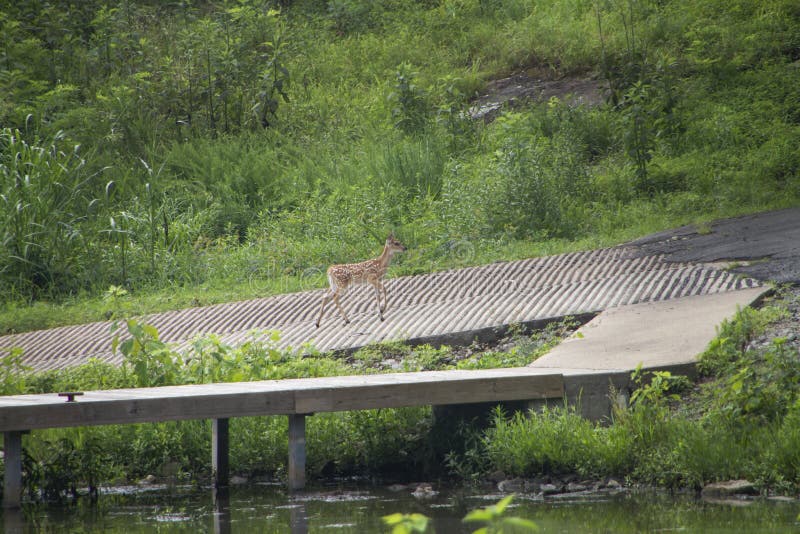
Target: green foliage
x,y
12,372
201,166
540,179
54,468
756,386
495,518
408,101
406,523
661,387
46,208
497,521
555,440
734,336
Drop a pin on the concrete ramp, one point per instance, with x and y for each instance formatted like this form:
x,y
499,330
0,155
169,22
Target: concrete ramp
x,y
597,361
655,335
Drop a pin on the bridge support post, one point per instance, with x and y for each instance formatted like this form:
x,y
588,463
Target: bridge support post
x,y
297,452
220,461
12,458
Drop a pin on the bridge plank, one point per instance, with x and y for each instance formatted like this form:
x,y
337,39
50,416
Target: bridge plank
x,y
278,397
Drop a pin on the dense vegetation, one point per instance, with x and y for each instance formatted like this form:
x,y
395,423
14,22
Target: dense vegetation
x,y
162,154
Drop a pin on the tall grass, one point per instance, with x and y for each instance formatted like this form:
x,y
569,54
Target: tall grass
x,y
556,441
47,214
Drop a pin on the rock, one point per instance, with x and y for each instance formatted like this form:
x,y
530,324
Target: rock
x,y
728,488
613,484
424,491
515,485
146,481
496,476
738,501
574,487
549,489
391,363
782,498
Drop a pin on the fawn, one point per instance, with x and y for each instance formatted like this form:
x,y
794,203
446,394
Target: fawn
x,y
340,277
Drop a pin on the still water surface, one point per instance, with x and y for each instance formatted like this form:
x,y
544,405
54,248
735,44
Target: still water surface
x,y
269,509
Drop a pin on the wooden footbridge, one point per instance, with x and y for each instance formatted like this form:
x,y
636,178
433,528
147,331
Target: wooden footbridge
x,y
445,306
296,398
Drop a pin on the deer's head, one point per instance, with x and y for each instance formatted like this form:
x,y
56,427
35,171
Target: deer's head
x,y
394,245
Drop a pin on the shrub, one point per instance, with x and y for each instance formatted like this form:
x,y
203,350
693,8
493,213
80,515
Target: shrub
x,y
538,180
556,440
47,215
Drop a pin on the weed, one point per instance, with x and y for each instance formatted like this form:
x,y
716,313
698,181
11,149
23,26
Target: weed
x,y
495,519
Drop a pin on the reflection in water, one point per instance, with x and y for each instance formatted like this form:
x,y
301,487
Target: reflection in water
x,y
298,519
222,510
12,521
346,510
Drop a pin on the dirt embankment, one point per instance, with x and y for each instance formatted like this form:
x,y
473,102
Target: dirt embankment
x,y
519,89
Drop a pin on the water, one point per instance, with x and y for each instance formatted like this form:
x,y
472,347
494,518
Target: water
x,y
269,509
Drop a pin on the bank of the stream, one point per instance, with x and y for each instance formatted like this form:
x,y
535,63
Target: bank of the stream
x,y
741,420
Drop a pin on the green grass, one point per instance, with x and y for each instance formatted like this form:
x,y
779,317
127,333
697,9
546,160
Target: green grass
x,y
157,156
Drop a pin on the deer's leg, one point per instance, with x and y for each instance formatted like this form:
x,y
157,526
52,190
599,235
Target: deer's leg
x,y
341,310
385,298
376,287
325,298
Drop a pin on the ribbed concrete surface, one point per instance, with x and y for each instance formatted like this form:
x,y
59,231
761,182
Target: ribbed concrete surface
x,y
419,306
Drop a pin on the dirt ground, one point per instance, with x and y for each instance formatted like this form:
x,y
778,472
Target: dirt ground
x,y
521,88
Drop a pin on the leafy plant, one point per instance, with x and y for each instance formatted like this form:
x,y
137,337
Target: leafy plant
x,y
46,205
275,79
656,388
406,523
408,100
12,371
494,517
497,521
